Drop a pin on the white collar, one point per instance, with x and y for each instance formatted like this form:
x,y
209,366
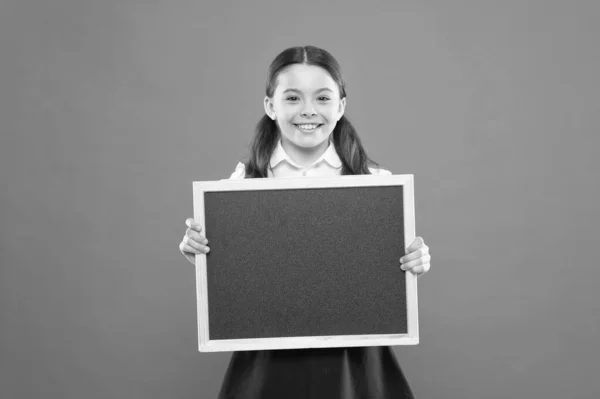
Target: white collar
x,y
330,156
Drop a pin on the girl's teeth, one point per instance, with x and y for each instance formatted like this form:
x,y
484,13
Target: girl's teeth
x,y
307,127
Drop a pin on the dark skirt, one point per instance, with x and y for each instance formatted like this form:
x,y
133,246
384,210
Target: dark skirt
x,y
323,373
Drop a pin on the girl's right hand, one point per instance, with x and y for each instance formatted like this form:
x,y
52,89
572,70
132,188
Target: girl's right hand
x,y
193,242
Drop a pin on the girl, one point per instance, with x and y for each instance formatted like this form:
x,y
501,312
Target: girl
x,y
304,133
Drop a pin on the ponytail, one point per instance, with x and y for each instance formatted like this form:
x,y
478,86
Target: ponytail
x,y
262,147
350,150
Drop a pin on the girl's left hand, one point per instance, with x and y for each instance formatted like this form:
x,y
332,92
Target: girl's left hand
x,y
417,258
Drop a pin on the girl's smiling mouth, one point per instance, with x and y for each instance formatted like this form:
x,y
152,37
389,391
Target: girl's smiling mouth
x,y
308,127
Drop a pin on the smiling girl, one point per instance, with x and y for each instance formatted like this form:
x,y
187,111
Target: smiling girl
x,y
304,133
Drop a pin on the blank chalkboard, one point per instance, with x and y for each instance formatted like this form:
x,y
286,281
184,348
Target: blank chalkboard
x,y
305,262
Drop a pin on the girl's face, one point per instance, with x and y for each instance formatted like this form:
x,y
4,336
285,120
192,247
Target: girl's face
x,y
306,105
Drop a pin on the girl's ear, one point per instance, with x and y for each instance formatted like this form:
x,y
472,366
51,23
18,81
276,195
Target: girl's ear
x,y
269,109
342,108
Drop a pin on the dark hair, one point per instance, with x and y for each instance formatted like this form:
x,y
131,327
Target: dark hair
x,y
345,138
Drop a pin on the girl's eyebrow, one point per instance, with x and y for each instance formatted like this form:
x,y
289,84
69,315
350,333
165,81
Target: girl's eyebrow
x,y
316,91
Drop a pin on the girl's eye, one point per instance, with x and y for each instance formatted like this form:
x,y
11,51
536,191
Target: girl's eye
x,y
322,98
292,98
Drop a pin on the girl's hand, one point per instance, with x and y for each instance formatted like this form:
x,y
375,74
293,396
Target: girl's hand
x,y
193,242
417,258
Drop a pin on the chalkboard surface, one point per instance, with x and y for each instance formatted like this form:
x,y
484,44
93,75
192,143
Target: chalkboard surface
x,y
304,264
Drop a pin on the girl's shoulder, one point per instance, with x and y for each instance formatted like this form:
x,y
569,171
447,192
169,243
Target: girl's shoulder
x,y
379,171
239,172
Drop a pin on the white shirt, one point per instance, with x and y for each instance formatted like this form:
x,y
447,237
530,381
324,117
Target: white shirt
x,y
281,165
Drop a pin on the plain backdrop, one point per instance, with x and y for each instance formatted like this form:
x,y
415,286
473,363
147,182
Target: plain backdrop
x,y
110,109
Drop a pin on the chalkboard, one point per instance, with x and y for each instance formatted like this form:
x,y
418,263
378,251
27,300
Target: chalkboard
x,y
307,262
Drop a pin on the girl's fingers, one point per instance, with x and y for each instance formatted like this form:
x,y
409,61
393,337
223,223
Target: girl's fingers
x,y
416,263
192,224
189,245
419,253
187,250
417,258
193,242
421,268
416,244
196,236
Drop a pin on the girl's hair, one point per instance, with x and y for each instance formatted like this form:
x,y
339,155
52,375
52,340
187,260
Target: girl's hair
x,y
345,138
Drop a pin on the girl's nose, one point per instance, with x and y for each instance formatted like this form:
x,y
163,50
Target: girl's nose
x,y
308,110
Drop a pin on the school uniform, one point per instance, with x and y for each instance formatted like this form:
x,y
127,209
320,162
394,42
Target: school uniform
x,y
313,373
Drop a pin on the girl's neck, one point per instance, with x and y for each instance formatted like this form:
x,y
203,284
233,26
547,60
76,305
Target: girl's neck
x,y
304,156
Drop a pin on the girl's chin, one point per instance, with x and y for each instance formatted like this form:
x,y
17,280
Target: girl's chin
x,y
309,141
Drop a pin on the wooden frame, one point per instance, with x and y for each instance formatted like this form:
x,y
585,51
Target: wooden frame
x,y
206,344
